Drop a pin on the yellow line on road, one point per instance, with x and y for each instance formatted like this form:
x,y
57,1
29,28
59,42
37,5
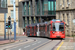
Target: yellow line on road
x,y
60,45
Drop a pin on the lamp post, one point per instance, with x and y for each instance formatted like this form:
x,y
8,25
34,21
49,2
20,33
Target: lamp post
x,y
14,21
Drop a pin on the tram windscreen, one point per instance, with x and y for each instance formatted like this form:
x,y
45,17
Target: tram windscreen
x,y
58,26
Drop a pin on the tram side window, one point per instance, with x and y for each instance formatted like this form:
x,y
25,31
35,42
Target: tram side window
x,y
42,28
36,29
47,28
28,30
32,29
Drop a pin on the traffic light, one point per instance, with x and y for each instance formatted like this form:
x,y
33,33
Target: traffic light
x,y
9,23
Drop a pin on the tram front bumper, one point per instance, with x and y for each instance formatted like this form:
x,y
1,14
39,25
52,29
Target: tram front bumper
x,y
57,36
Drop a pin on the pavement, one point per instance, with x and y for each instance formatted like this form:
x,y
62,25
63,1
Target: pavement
x,y
67,44
3,42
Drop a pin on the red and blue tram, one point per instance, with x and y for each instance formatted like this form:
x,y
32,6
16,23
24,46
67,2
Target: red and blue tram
x,y
52,29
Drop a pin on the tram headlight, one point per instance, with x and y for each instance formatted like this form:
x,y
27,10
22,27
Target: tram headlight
x,y
53,32
62,32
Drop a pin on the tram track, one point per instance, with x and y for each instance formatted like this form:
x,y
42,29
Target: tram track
x,y
56,45
37,48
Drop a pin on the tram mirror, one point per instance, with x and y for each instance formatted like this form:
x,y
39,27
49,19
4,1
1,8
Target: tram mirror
x,y
66,25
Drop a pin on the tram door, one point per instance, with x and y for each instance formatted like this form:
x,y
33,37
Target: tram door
x,y
42,30
32,31
48,30
38,34
28,31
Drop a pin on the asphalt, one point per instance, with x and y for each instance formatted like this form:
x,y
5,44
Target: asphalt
x,y
30,46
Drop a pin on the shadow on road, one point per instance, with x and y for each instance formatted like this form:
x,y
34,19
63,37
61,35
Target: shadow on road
x,y
47,38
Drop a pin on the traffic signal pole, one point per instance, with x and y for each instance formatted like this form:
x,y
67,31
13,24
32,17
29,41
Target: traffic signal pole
x,y
14,21
4,26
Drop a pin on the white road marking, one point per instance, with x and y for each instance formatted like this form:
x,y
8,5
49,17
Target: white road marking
x,y
27,46
20,49
34,44
39,42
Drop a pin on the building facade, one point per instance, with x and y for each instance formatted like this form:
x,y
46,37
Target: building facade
x,y
36,11
9,13
65,11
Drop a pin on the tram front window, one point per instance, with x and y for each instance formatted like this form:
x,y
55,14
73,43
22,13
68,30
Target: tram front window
x,y
58,26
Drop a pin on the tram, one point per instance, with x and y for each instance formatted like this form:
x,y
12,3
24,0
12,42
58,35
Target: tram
x,y
52,29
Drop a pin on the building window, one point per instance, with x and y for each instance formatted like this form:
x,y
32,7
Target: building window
x,y
63,3
51,7
3,3
24,9
12,27
11,1
63,18
28,20
68,19
12,14
28,7
59,15
68,2
38,9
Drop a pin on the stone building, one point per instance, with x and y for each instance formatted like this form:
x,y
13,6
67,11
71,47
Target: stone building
x,y
9,13
65,11
36,11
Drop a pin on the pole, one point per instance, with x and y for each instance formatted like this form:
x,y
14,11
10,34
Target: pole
x,y
14,21
5,26
8,34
